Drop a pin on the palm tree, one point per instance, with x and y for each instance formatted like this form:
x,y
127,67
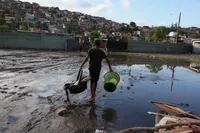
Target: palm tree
x,y
157,33
154,68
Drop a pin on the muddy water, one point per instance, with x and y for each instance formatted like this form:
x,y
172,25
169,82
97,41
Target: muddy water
x,y
31,92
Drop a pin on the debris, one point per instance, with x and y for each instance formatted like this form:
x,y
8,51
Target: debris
x,y
128,88
12,93
141,77
5,88
184,104
21,87
172,109
3,92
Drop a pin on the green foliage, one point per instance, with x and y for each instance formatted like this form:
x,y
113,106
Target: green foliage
x,y
2,21
14,25
154,68
173,27
69,30
38,24
25,26
41,26
133,24
2,15
4,28
157,33
94,34
31,25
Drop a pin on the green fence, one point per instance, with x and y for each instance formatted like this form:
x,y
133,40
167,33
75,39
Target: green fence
x,y
154,47
40,41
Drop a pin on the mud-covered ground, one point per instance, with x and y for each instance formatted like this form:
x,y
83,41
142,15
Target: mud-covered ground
x,y
31,92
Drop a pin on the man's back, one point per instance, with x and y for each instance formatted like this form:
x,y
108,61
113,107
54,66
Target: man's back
x,y
96,57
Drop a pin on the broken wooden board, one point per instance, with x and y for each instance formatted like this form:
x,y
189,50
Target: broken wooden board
x,y
180,130
172,109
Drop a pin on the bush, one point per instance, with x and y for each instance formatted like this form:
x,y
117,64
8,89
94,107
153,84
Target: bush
x,y
4,28
94,34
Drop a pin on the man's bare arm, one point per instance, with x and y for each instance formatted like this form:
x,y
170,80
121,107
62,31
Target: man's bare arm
x,y
85,60
108,62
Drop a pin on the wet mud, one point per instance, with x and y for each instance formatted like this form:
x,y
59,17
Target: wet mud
x,y
32,98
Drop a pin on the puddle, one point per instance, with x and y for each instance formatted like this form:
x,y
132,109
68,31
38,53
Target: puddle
x,y
12,119
173,83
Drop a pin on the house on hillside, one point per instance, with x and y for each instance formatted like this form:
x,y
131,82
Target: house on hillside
x,y
85,22
29,16
9,19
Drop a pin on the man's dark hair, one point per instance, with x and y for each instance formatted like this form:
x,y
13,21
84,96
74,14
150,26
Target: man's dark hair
x,y
97,42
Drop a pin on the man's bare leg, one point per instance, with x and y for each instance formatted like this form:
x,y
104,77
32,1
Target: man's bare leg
x,y
93,91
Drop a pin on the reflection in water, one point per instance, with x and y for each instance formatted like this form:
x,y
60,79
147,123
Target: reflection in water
x,y
107,114
110,115
172,68
195,67
154,68
92,114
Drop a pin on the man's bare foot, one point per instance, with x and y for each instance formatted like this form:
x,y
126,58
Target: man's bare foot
x,y
92,100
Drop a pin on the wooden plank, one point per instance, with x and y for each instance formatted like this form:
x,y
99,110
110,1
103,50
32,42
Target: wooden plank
x,y
162,103
172,109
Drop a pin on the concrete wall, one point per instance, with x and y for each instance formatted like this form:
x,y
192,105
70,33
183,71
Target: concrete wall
x,y
154,47
40,41
196,47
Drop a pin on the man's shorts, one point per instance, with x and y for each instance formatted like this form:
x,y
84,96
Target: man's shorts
x,y
94,74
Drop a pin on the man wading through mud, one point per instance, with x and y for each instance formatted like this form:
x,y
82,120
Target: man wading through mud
x,y
96,56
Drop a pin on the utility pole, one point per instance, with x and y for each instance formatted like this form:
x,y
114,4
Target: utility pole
x,y
179,20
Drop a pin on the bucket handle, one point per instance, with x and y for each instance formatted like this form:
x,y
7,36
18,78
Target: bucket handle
x,y
79,77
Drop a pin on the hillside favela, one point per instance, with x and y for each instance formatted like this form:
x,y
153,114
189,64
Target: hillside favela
x,y
91,66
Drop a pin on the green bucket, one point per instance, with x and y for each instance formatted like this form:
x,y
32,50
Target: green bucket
x,y
111,80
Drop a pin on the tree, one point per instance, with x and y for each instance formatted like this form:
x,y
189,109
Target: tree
x,y
25,26
157,33
44,26
38,24
31,25
93,34
4,27
146,27
154,68
133,24
2,16
2,21
173,27
14,25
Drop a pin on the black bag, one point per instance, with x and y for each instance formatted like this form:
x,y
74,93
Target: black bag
x,y
75,89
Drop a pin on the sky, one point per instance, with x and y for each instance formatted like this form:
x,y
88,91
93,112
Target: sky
x,y
143,12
